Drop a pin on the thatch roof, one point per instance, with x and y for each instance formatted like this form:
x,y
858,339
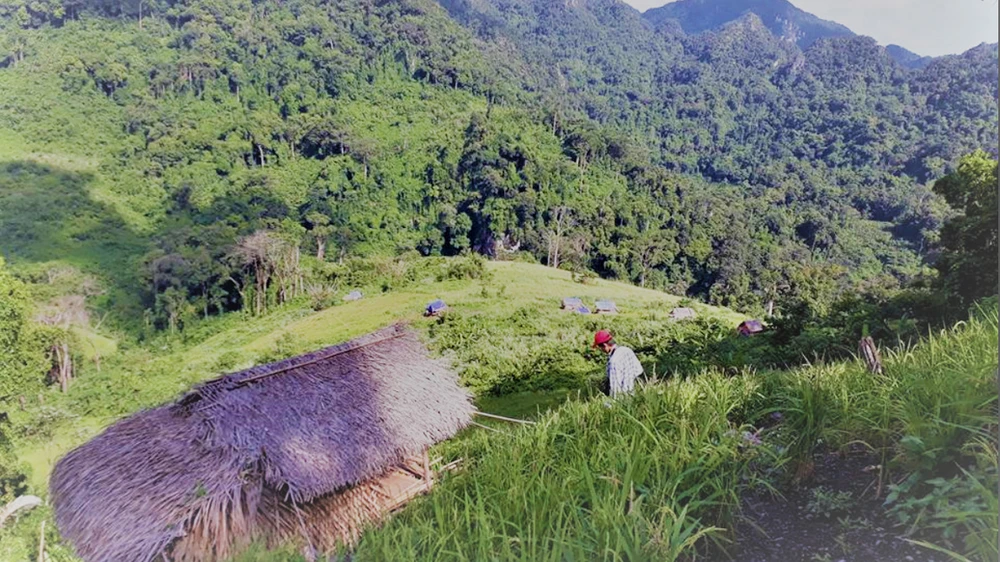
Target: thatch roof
x,y
259,453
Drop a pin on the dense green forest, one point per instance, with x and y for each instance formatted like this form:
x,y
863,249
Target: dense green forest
x,y
208,156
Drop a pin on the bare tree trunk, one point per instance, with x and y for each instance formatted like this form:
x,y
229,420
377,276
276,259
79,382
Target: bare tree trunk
x,y
241,291
320,248
63,367
204,293
560,219
299,282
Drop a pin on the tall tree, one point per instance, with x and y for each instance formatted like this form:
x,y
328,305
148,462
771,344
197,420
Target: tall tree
x,y
968,262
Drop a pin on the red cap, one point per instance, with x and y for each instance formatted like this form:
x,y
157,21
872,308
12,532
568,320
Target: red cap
x,y
602,336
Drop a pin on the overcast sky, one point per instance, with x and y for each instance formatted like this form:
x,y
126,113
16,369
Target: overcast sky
x,y
926,27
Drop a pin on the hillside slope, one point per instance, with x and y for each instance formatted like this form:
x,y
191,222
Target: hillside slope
x,y
782,18
148,376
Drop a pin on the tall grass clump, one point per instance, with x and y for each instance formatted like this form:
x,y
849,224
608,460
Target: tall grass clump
x,y
649,477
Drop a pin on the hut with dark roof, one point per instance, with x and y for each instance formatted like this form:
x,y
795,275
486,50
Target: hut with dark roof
x,y
310,448
750,328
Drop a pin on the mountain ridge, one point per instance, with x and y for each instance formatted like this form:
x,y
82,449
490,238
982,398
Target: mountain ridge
x,y
785,20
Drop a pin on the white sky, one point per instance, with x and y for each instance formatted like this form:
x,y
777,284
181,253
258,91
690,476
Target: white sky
x,y
926,27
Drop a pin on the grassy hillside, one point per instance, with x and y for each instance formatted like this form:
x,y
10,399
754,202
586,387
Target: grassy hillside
x,y
650,477
144,377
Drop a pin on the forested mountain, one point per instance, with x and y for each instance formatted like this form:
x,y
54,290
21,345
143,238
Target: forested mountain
x,y
146,141
906,57
783,19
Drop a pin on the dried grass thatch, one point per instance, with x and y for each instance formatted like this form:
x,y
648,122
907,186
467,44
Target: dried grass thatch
x,y
294,448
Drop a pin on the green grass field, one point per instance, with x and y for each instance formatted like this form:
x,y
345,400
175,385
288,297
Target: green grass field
x,y
146,377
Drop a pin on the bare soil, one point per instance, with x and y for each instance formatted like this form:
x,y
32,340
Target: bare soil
x,y
784,530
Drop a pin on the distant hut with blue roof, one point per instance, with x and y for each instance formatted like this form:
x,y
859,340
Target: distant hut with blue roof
x,y
435,308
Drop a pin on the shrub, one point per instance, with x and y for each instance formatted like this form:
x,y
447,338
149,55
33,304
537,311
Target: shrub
x,y
471,266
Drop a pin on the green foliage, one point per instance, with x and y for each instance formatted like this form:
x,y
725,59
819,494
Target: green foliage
x,y
826,503
531,349
968,262
590,480
13,481
468,267
710,166
23,363
641,478
286,346
959,510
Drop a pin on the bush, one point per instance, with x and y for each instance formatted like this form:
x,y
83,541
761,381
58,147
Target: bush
x,y
227,361
288,345
472,266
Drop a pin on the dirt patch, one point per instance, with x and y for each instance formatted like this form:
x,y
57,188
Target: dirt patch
x,y
835,516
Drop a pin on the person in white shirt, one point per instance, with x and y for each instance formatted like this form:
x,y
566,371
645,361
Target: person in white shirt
x,y
623,366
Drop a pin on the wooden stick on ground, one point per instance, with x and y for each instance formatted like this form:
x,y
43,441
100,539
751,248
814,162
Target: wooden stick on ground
x,y
486,427
428,475
496,417
41,543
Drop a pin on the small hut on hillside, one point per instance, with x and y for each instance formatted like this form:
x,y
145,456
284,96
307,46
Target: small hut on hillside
x,y
749,327
313,447
571,303
605,307
682,313
435,308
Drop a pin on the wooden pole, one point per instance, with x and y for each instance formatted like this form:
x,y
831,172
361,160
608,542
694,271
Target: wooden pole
x,y
486,427
496,417
428,475
869,352
41,543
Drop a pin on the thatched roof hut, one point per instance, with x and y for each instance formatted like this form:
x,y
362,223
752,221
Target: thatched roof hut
x,y
305,447
682,313
750,327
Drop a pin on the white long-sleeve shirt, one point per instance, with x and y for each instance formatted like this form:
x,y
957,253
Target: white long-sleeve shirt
x,y
623,369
